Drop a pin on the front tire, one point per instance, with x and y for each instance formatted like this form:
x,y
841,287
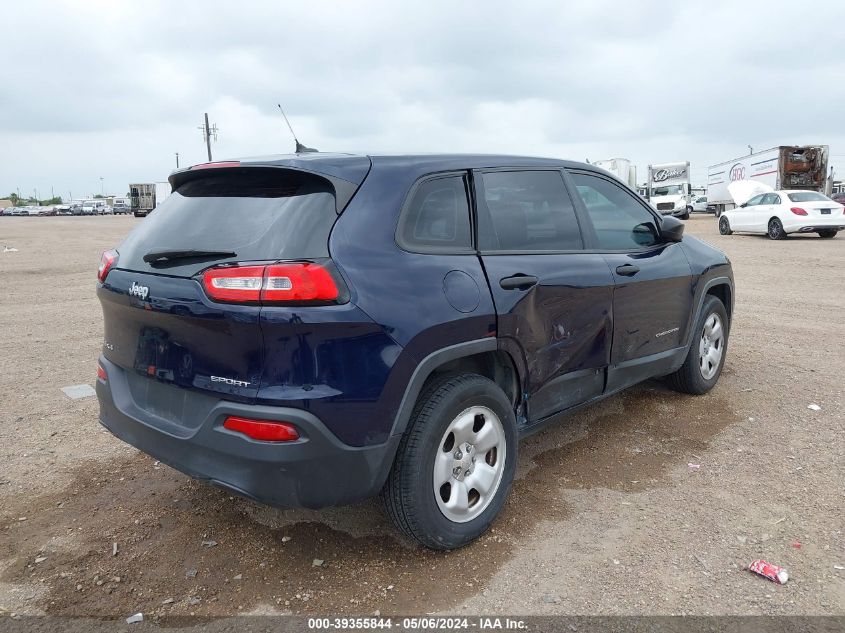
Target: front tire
x,y
776,231
706,356
828,233
725,226
455,463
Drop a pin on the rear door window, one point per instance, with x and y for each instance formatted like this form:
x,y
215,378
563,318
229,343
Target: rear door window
x,y
259,214
526,211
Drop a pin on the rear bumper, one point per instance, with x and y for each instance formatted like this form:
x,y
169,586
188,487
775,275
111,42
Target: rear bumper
x,y
316,471
814,225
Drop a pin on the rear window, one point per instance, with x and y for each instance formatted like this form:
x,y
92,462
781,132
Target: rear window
x,y
808,196
259,214
437,217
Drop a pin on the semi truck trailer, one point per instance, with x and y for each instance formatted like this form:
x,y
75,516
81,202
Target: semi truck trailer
x,y
782,167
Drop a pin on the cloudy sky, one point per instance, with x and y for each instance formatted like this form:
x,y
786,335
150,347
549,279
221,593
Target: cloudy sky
x,y
100,88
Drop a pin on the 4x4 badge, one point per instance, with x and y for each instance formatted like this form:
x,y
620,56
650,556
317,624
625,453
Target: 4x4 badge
x,y
139,291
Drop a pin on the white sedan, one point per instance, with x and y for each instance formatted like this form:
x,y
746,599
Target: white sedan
x,y
779,213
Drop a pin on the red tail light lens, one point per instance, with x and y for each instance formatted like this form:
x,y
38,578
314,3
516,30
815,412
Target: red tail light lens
x,y
300,282
798,211
107,260
101,373
263,430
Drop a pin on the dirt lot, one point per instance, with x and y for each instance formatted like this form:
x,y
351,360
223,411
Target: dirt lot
x,y
606,517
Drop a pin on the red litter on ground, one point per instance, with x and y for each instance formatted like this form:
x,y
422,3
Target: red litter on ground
x,y
774,573
796,545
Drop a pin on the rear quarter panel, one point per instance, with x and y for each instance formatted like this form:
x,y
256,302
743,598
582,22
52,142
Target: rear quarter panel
x,y
403,292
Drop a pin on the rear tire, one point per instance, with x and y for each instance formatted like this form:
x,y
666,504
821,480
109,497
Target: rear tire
x,y
461,422
706,356
776,231
828,233
725,226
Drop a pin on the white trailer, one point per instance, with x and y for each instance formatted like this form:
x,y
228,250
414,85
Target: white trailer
x,y
782,167
621,168
163,189
670,189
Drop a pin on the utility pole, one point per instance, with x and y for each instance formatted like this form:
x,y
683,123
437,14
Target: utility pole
x,y
177,159
750,150
207,132
101,186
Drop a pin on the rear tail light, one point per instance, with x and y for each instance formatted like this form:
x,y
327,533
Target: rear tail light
x,y
238,284
798,211
101,373
107,260
263,430
296,282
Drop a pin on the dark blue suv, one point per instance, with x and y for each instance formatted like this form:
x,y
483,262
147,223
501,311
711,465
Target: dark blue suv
x,y
314,329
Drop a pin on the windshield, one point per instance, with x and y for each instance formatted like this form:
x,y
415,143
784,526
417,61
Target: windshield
x,y
668,190
260,214
808,196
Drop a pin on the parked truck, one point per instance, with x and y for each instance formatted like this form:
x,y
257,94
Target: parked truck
x,y
782,167
144,197
621,168
670,189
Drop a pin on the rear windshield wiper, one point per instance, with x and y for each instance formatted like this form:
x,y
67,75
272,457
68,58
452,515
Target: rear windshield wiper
x,y
164,255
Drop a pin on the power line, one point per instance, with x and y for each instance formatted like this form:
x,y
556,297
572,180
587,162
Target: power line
x,y
207,133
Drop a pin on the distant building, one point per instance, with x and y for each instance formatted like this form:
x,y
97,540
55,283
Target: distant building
x,y
838,187
5,203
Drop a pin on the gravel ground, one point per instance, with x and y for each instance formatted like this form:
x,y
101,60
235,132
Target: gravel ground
x,y
606,517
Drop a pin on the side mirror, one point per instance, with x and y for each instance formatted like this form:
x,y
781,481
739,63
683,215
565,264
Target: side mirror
x,y
671,229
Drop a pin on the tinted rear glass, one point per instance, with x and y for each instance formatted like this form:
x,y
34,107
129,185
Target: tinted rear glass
x,y
260,214
528,211
807,196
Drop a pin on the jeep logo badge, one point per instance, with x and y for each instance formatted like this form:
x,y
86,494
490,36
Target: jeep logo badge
x,y
138,291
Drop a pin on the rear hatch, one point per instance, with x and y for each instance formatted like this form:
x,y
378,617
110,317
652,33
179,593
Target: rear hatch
x,y
165,320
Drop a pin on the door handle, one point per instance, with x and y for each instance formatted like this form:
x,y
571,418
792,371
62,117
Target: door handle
x,y
627,270
518,282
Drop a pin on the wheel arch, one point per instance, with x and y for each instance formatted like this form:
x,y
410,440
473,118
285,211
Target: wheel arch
x,y
720,287
723,292
481,357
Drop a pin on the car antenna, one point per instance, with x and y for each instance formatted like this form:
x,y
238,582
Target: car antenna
x,y
300,148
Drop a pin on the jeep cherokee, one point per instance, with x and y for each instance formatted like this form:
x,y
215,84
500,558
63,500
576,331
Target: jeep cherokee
x,y
313,329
